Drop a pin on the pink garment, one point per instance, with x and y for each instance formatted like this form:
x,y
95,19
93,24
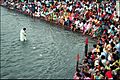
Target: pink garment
x,y
87,78
111,17
75,76
90,19
84,27
89,26
86,40
71,18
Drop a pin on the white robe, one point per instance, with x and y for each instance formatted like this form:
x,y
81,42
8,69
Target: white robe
x,y
23,35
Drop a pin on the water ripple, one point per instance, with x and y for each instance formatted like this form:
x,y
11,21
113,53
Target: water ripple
x,y
49,52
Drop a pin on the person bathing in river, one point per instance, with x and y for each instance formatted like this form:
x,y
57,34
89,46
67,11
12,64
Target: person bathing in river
x,y
23,34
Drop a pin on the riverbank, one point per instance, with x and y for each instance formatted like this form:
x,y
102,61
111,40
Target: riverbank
x,y
50,22
49,17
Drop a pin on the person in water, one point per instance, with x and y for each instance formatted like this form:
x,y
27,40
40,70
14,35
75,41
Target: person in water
x,y
23,34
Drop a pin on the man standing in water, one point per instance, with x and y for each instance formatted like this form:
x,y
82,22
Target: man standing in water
x,y
23,34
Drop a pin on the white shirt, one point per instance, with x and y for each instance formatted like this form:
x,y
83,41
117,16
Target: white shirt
x,y
77,22
104,61
38,3
81,24
22,35
96,62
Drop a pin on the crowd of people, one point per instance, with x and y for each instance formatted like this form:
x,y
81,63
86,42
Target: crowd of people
x,y
97,18
103,61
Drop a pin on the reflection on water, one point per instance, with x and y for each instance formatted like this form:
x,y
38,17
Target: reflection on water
x,y
49,52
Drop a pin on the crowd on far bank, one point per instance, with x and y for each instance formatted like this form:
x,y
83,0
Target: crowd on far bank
x,y
97,19
87,16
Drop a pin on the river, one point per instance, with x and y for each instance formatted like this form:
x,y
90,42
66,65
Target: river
x,y
49,53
